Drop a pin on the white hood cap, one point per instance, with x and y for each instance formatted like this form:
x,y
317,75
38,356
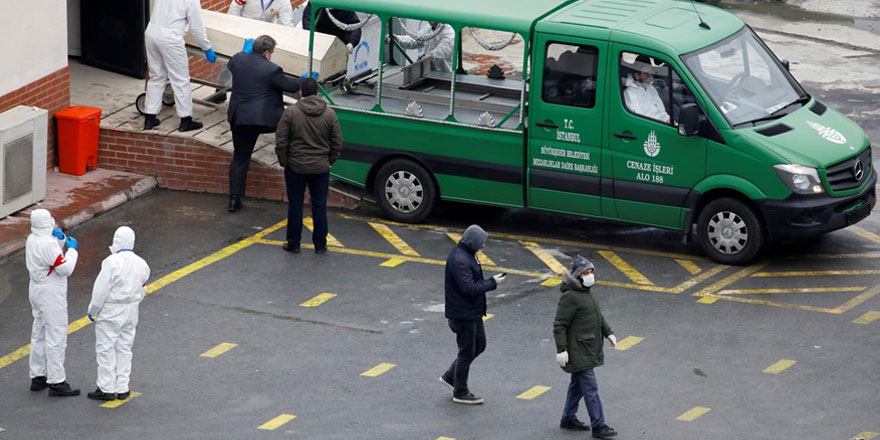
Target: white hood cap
x,y
42,222
123,239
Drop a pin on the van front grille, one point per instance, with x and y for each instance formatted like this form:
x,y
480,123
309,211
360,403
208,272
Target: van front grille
x,y
850,173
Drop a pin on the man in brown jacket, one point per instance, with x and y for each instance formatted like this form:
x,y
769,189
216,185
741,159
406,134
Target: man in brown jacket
x,y
307,142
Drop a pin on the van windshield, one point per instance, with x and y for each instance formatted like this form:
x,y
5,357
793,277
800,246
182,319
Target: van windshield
x,y
744,80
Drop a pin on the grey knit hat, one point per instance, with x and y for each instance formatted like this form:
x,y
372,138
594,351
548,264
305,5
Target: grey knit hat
x,y
579,265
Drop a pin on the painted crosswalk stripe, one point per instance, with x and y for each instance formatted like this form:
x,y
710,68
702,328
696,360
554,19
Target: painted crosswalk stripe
x,y
378,370
780,366
117,403
867,318
488,316
693,414
867,435
689,266
481,257
277,422
549,260
624,267
394,239
218,350
331,240
318,300
628,342
533,392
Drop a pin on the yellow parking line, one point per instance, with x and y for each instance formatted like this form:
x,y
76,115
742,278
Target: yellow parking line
x,y
780,366
444,438
331,240
378,370
117,403
628,342
545,257
277,422
533,392
867,318
218,350
488,316
817,273
792,290
683,287
693,414
706,295
630,272
392,262
845,307
481,257
394,239
864,234
318,300
689,266
866,435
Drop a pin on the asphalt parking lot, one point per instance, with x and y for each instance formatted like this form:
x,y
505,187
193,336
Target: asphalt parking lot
x,y
239,339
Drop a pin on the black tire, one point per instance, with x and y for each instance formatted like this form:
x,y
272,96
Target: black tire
x,y
140,103
719,224
405,191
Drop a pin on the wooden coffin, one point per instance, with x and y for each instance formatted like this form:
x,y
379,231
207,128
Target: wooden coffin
x,y
228,32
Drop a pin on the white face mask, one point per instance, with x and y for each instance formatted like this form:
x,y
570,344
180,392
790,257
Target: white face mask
x,y
589,280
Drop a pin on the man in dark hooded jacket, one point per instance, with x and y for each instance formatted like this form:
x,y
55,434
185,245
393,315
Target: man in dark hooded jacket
x,y
465,307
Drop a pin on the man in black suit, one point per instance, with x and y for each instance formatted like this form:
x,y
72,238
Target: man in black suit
x,y
326,26
255,107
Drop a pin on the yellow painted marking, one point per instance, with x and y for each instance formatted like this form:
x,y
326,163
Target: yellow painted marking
x,y
780,366
392,262
545,257
730,279
792,290
552,282
689,266
847,306
218,350
533,392
481,257
709,299
117,403
318,300
444,438
867,318
864,234
628,342
817,273
277,422
394,239
378,370
693,414
488,316
630,272
867,435
331,240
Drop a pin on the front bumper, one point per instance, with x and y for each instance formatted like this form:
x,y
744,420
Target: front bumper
x,y
803,216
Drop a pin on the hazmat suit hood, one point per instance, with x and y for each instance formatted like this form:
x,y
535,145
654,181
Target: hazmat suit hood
x,y
42,222
312,105
123,239
474,238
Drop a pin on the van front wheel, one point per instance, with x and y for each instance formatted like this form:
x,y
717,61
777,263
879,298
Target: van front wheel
x,y
729,232
405,191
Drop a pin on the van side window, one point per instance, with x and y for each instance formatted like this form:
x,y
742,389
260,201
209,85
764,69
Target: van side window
x,y
681,95
644,82
570,75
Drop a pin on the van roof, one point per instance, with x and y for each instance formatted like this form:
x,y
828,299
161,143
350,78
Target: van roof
x,y
673,23
504,15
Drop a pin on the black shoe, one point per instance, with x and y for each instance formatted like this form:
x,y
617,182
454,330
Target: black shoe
x,y
449,384
218,98
573,424
234,203
290,248
100,395
39,383
604,432
468,399
321,250
123,396
151,122
62,389
187,124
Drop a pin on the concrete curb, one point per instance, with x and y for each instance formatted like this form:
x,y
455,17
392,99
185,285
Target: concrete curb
x,y
140,188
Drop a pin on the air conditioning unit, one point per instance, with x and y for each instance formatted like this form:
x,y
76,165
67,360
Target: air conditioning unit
x,y
22,158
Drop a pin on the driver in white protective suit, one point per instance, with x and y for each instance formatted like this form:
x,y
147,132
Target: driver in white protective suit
x,y
118,291
168,61
640,96
438,49
49,266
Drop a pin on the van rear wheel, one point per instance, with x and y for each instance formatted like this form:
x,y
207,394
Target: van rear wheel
x,y
729,232
405,191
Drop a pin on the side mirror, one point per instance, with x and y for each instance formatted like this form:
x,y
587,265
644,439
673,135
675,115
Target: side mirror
x,y
689,120
787,65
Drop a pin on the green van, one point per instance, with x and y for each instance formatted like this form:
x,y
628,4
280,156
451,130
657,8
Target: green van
x,y
664,113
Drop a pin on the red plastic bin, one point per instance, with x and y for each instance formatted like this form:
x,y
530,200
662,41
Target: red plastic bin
x,y
78,129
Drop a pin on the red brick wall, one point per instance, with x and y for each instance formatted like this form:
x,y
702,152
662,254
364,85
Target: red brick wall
x,y
51,92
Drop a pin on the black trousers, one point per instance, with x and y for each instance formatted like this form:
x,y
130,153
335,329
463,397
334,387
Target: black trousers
x,y
319,186
471,339
244,137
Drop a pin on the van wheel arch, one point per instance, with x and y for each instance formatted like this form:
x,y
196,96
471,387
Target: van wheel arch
x,y
730,199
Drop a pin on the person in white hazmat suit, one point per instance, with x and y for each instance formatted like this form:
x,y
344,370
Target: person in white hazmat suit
x,y
118,291
640,95
168,61
438,49
49,266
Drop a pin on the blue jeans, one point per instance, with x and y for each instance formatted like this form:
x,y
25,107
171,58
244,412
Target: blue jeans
x,y
319,185
583,385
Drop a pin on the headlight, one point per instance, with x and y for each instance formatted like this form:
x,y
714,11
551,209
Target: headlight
x,y
800,179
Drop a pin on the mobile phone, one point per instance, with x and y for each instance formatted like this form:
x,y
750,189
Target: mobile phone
x,y
503,274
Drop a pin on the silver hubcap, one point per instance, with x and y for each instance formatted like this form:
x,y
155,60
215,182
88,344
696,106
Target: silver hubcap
x,y
403,191
727,232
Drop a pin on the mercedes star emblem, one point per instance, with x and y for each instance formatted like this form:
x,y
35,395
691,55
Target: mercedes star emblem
x,y
858,170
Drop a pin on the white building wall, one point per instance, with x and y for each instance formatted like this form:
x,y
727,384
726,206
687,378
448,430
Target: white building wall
x,y
33,41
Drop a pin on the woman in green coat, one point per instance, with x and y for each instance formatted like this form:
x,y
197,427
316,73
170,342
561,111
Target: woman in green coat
x,y
579,331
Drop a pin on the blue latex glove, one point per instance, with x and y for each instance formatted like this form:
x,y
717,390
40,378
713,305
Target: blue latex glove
x,y
58,234
314,75
91,318
210,55
248,46
71,242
